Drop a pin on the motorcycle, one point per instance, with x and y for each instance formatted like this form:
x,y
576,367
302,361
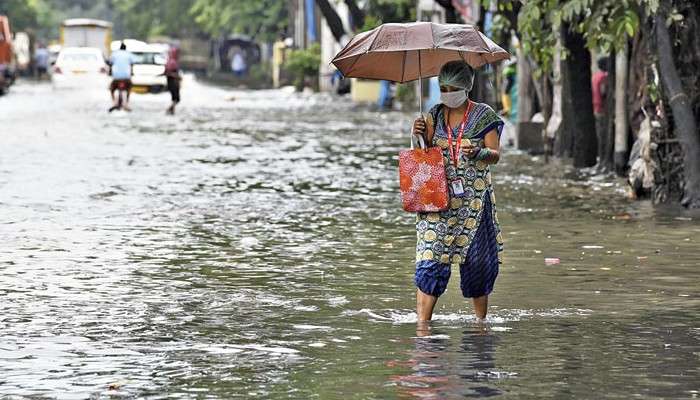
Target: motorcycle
x,y
121,94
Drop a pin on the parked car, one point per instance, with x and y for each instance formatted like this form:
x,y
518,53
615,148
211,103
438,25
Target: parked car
x,y
80,66
149,66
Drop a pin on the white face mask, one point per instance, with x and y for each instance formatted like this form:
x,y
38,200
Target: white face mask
x,y
453,99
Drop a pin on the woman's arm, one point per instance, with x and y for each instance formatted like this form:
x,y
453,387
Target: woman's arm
x,y
430,131
489,153
491,143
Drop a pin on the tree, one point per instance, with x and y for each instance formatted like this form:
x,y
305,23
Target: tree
x,y
332,19
450,12
376,13
578,105
603,25
683,118
358,15
143,19
23,14
261,19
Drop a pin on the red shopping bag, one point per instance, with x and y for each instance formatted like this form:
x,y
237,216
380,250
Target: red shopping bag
x,y
422,180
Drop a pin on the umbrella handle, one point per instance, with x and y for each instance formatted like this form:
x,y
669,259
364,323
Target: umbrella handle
x,y
421,140
420,86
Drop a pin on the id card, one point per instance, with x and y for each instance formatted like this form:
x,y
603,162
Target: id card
x,y
457,188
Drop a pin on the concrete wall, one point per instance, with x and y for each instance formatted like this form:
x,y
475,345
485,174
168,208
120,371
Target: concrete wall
x,y
364,90
330,47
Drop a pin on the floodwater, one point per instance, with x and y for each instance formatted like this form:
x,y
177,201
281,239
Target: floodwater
x,y
253,246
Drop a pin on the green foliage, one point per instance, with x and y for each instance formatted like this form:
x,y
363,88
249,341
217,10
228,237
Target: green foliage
x,y
383,11
143,19
605,24
500,28
260,75
371,22
406,93
260,19
24,14
537,31
303,64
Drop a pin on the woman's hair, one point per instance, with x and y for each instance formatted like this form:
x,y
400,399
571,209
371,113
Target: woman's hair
x,y
458,74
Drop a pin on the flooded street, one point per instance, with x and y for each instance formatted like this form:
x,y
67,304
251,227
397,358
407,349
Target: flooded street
x,y
254,246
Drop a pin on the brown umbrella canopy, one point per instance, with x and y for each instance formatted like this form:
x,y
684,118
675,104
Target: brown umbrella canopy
x,y
405,52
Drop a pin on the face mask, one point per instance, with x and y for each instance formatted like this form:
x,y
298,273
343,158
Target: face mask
x,y
453,99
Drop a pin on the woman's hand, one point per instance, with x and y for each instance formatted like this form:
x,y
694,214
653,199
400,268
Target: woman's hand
x,y
469,149
419,126
490,149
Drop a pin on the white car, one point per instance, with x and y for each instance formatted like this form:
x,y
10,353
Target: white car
x,y
149,66
80,67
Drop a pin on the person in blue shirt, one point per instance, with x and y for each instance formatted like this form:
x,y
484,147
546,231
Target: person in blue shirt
x,y
41,59
122,68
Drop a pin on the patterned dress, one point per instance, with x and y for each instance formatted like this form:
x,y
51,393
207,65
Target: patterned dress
x,y
468,232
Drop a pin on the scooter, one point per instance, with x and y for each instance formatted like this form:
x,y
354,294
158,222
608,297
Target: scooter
x,y
7,78
121,94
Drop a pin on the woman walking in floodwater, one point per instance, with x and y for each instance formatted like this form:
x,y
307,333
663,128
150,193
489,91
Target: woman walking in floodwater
x,y
467,233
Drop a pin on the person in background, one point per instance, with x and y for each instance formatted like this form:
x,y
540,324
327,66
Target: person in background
x,y
238,65
599,87
41,60
508,82
277,60
172,73
122,68
5,59
384,101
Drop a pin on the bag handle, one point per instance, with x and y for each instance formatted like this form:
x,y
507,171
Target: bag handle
x,y
421,142
421,139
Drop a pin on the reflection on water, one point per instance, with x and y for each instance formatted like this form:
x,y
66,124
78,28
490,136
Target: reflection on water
x,y
439,369
253,246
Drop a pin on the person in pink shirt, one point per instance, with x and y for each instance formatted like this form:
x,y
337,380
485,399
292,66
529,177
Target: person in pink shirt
x,y
599,86
172,73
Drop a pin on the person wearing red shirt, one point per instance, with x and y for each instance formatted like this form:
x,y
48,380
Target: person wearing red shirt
x,y
599,86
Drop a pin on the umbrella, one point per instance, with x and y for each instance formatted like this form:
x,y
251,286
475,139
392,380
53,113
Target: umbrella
x,y
406,52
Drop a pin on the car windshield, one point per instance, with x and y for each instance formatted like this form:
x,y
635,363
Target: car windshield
x,y
80,58
150,58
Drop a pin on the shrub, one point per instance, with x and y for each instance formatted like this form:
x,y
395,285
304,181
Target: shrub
x,y
304,64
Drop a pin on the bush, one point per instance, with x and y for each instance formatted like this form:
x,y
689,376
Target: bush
x,y
303,65
259,75
406,93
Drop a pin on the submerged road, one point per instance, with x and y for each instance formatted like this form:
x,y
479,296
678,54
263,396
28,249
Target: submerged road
x,y
253,246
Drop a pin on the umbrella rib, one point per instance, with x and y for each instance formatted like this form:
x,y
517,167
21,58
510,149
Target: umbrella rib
x,y
484,42
374,39
403,65
353,65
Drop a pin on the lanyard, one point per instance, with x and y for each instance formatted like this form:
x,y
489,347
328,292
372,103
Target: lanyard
x,y
456,151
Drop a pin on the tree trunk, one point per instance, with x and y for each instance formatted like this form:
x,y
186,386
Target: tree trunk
x,y
358,16
526,89
555,118
580,110
683,118
621,148
564,140
450,13
539,86
546,102
332,19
